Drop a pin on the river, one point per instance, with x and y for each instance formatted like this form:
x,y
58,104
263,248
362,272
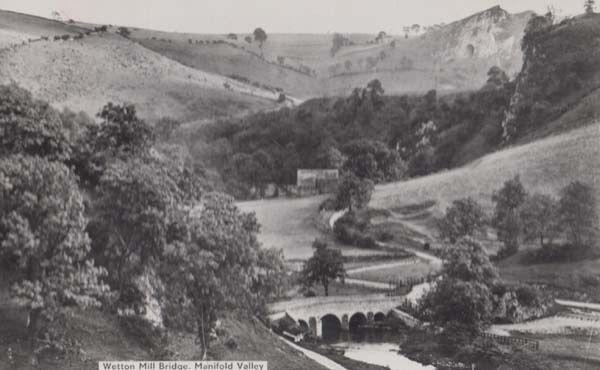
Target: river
x,y
382,354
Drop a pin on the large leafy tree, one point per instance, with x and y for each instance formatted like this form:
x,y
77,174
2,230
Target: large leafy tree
x,y
463,218
214,263
578,214
43,240
31,127
324,266
353,192
373,160
120,134
260,36
506,219
539,215
463,298
137,204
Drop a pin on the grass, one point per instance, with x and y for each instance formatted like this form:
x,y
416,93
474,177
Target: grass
x,y
291,224
88,73
385,275
570,279
544,166
102,338
338,289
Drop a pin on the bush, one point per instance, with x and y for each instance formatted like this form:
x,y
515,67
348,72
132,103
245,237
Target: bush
x,y
352,230
148,335
384,236
558,253
528,296
328,204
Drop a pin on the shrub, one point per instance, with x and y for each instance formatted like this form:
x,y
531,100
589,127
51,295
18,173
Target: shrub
x,y
328,204
352,230
148,335
527,295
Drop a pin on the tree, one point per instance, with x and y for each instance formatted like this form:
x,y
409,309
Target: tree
x,y
375,91
337,42
260,36
589,6
506,217
578,214
463,218
331,157
165,127
123,31
214,264
136,207
248,39
324,266
463,298
468,261
44,243
120,134
348,65
269,281
539,215
31,127
497,77
353,192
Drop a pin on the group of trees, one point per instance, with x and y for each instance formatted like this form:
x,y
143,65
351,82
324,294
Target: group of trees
x,y
421,134
465,301
89,207
522,217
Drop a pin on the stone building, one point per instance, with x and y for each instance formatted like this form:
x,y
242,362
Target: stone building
x,y
316,181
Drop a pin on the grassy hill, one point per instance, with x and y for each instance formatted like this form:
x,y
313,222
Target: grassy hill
x,y
100,337
16,28
450,58
85,73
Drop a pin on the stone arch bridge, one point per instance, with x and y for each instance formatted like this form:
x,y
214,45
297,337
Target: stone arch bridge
x,y
343,312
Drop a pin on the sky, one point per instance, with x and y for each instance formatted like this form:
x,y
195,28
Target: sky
x,y
278,16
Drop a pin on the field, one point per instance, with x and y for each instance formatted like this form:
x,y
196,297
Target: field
x,y
385,275
293,225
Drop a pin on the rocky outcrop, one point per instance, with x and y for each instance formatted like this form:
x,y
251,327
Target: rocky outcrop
x,y
493,36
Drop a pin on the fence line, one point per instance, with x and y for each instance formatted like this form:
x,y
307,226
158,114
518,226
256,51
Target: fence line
x,y
531,344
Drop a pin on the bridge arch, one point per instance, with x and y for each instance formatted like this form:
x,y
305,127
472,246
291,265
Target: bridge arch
x,y
379,317
331,327
356,321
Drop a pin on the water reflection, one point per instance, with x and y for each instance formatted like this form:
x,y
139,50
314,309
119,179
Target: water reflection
x,y
382,354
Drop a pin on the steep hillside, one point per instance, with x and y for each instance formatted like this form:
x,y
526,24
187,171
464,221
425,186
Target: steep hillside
x,y
448,58
87,72
559,85
101,337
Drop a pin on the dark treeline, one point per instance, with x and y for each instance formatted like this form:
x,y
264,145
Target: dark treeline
x,y
419,134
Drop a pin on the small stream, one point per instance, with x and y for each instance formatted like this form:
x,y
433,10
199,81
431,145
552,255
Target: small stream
x,y
382,354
